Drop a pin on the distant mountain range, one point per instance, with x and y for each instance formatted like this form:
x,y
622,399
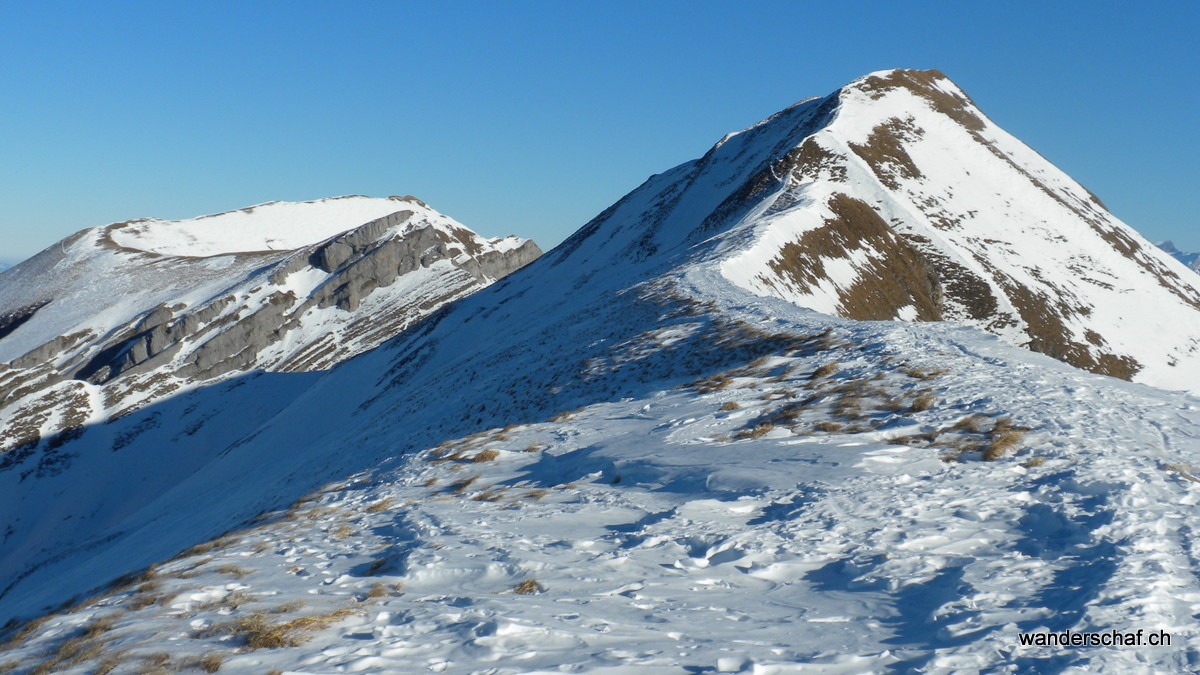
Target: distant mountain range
x,y
1192,260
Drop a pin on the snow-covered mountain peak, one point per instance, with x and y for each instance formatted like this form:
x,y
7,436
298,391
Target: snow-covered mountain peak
x,y
142,309
271,226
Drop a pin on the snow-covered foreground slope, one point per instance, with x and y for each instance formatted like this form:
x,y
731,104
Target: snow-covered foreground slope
x,y
118,316
666,531
625,456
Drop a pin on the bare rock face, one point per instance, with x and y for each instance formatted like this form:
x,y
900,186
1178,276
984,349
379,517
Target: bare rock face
x,y
304,309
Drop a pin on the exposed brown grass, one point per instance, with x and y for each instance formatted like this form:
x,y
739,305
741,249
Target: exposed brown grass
x,y
232,570
211,662
230,601
923,402
566,416
708,385
343,531
528,587
756,431
921,374
535,447
827,427
1001,443
731,405
255,631
825,370
208,546
87,645
974,424
485,456
381,505
288,607
1033,463
1183,470
460,486
378,590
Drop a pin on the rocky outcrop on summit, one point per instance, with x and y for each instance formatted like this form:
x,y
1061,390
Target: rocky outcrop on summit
x,y
171,321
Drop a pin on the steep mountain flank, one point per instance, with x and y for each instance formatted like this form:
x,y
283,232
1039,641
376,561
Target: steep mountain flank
x,y
923,209
145,308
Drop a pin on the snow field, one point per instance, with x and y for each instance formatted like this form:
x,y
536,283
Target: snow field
x,y
664,533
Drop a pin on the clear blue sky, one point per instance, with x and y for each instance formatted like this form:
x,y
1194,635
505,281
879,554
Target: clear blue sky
x,y
530,118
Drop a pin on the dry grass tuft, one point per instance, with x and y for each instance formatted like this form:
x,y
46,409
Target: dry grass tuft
x,y
460,486
920,374
378,590
1183,470
288,607
232,570
255,631
102,625
974,424
211,662
923,402
206,547
708,385
343,531
756,431
535,447
1001,443
731,405
528,587
1033,463
825,370
827,427
485,456
230,601
381,505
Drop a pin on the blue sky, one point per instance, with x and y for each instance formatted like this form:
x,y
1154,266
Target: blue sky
x,y
529,118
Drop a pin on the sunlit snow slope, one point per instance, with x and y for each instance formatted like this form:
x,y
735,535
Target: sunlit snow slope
x,y
117,316
644,452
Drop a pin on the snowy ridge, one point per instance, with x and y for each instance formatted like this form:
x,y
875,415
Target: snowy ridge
x,y
630,457
114,318
272,226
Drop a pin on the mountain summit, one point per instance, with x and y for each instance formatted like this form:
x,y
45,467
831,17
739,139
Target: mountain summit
x,y
896,198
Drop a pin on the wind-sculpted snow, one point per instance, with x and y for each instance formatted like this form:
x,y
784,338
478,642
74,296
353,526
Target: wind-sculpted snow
x,y
812,493
628,455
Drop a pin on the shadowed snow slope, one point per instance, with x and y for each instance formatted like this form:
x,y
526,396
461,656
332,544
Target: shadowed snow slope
x,y
645,450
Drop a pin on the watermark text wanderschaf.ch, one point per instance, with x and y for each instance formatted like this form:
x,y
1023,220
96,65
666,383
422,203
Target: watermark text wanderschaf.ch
x,y
1108,638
